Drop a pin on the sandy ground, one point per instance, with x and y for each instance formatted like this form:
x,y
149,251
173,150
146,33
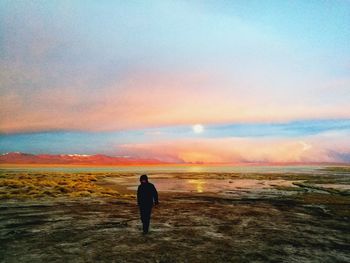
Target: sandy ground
x,y
302,223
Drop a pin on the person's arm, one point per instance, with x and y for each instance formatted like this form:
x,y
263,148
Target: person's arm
x,y
155,195
138,196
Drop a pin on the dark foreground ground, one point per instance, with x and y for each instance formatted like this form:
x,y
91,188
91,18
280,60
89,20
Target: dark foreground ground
x,y
292,224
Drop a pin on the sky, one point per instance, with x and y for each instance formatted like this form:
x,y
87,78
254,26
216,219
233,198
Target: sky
x,y
264,81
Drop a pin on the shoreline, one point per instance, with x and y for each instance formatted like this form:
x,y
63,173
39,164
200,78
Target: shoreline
x,y
180,165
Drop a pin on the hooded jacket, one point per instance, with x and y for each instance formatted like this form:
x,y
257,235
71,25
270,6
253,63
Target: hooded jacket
x,y
147,194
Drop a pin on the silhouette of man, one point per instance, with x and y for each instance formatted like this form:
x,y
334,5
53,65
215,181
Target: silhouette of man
x,y
147,196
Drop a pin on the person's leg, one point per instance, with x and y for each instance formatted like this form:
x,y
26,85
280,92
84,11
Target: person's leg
x,y
141,214
144,218
147,218
146,226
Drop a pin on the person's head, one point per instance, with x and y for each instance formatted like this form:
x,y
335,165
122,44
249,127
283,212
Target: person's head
x,y
144,179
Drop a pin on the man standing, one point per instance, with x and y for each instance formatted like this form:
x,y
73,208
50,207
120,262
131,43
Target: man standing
x,y
147,195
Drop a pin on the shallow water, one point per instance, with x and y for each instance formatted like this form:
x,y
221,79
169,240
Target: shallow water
x,y
170,169
335,186
201,185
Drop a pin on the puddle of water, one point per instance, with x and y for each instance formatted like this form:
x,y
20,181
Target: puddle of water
x,y
335,186
201,185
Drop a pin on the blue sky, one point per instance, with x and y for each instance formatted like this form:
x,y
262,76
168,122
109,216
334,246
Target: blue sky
x,y
107,142
125,77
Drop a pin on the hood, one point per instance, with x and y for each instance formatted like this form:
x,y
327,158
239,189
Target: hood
x,y
144,178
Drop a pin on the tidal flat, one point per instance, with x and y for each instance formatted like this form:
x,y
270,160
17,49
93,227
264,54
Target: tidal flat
x,y
81,216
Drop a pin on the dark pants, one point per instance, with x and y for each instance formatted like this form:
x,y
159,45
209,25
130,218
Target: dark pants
x,y
145,212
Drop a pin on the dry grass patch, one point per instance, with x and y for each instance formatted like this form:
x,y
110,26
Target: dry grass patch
x,y
36,185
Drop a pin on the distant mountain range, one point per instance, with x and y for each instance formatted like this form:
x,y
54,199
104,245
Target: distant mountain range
x,y
101,159
96,159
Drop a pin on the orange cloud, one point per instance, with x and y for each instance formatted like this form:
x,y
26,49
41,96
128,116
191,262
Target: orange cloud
x,y
235,150
148,100
69,72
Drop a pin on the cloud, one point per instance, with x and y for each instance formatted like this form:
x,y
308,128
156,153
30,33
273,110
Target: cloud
x,y
91,67
244,150
150,100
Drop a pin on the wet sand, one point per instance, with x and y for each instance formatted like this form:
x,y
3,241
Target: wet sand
x,y
202,217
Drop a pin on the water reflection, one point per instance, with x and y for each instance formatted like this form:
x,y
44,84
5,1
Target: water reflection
x,y
201,185
198,184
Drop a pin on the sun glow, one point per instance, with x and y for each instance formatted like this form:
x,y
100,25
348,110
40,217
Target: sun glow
x,y
198,128
198,184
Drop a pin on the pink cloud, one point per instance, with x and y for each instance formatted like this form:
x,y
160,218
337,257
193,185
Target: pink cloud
x,y
153,100
241,150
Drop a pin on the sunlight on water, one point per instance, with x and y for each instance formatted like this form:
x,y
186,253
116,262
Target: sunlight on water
x,y
198,183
